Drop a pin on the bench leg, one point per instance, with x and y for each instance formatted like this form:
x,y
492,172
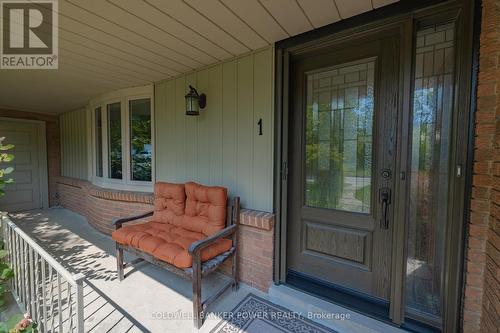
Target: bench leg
x,y
234,267
197,306
234,271
119,262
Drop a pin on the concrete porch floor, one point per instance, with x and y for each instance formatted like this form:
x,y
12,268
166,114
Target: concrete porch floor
x,y
150,296
143,301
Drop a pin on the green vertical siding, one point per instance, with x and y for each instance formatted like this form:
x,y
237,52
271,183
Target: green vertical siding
x,y
222,145
74,144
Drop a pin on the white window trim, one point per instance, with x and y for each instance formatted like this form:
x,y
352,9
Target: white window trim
x,y
123,96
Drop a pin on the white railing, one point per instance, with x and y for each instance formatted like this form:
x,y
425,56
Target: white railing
x,y
51,295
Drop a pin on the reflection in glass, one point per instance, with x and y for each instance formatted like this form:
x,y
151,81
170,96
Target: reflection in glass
x,y
115,141
339,126
98,141
140,139
430,153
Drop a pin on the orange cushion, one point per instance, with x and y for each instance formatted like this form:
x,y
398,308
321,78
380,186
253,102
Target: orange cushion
x,y
205,208
169,202
168,242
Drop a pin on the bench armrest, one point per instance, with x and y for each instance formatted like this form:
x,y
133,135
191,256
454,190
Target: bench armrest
x,y
119,221
197,246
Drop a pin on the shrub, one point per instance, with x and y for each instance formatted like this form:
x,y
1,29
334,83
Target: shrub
x,y
5,158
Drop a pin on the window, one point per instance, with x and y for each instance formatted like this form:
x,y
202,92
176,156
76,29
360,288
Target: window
x,y
114,141
122,144
140,139
98,140
429,180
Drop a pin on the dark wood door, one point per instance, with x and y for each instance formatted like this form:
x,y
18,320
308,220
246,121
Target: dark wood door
x,y
342,155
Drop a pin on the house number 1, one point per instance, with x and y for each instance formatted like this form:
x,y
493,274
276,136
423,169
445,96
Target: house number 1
x,y
260,126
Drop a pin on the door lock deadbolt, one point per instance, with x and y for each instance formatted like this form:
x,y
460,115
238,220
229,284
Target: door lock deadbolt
x,y
385,173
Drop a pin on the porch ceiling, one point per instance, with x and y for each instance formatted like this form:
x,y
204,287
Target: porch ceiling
x,y
112,44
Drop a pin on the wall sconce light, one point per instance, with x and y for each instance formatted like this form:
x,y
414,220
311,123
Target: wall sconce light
x,y
194,102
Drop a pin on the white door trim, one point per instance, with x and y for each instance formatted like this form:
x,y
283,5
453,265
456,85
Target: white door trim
x,y
42,161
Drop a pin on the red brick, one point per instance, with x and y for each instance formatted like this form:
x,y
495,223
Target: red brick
x,y
481,180
483,168
480,205
481,192
486,89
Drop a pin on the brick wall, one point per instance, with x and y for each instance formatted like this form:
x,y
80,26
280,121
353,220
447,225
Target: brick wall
x,y
482,292
53,144
489,79
100,206
255,247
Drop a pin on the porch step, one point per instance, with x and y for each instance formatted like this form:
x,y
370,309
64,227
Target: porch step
x,y
313,308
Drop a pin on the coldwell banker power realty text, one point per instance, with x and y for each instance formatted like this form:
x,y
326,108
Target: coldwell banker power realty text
x,y
28,34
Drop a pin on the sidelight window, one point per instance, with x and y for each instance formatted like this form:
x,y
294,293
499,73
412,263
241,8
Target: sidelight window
x,y
430,164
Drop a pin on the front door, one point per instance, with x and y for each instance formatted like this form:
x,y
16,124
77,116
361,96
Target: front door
x,y
374,127
29,185
341,172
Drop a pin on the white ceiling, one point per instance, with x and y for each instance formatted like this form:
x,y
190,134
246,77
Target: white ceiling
x,y
110,44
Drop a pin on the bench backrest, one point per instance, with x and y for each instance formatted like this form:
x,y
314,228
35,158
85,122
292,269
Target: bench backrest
x,y
169,202
191,206
205,208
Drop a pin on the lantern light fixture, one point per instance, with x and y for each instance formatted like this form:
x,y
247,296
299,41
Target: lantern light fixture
x,y
194,102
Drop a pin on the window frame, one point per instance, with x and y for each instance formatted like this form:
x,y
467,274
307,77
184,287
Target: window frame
x,y
123,97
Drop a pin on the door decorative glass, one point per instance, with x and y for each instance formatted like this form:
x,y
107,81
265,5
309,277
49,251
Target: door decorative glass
x,y
338,135
430,165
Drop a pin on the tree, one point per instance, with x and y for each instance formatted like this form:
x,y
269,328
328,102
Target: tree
x,y
5,158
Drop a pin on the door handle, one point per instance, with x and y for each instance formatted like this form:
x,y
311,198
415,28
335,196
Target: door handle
x,y
385,200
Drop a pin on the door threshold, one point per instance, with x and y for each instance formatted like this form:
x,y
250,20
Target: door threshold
x,y
336,317
367,305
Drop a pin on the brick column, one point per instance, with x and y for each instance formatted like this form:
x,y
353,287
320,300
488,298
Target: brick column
x,y
482,293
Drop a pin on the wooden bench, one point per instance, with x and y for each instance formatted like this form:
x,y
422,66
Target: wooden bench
x,y
131,243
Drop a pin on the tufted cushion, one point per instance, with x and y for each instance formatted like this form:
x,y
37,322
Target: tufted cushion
x,y
168,242
169,203
205,208
183,214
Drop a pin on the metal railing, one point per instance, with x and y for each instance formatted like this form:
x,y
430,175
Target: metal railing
x,y
51,295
